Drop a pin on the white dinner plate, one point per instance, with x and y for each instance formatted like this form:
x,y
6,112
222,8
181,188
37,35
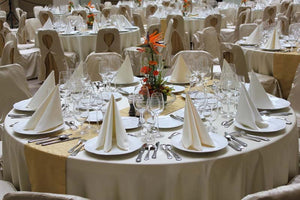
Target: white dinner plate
x,y
134,144
19,128
265,49
94,116
274,124
278,103
22,105
195,94
219,141
168,80
168,122
177,88
130,122
135,80
246,44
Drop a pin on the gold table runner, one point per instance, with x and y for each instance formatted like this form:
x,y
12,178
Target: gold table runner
x,y
47,164
284,69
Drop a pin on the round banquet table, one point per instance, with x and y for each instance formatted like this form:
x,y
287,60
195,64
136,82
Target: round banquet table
x,y
225,174
282,65
85,43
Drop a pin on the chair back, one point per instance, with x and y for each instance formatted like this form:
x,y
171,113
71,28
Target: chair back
x,y
19,13
213,20
106,12
296,17
150,10
284,6
241,9
94,60
3,32
246,29
31,26
269,14
154,28
52,54
44,15
294,96
235,55
81,13
284,25
108,40
36,11
125,10
14,85
211,41
137,20
22,32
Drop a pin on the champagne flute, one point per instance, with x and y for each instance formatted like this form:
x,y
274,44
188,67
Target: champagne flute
x,y
156,106
141,102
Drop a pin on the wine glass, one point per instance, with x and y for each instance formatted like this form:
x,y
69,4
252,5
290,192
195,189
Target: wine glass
x,y
211,111
156,106
103,71
141,102
204,68
64,90
81,111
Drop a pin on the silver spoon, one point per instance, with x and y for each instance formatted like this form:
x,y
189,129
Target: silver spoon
x,y
176,156
149,147
163,147
60,137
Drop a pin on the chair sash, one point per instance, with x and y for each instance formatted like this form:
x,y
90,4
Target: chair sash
x,y
44,15
108,40
22,33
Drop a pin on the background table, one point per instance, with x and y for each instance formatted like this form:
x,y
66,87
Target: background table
x,y
225,174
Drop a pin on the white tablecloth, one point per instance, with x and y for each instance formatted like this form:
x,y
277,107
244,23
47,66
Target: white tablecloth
x,y
84,44
226,174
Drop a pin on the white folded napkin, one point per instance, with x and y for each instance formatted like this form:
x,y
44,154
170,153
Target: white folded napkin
x,y
48,115
226,71
48,25
194,135
258,94
256,36
42,92
112,130
95,27
124,74
69,28
247,114
273,42
181,72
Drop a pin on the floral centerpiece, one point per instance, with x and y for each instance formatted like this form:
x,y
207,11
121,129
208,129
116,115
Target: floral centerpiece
x,y
70,6
243,2
138,2
91,16
186,7
153,71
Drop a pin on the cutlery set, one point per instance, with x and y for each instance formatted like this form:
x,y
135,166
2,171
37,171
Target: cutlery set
x,y
167,148
53,140
237,144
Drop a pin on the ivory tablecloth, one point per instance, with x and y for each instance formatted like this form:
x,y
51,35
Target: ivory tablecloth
x,y
278,64
225,174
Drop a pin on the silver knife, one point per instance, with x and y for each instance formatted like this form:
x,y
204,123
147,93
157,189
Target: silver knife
x,y
239,141
59,141
155,150
141,152
234,146
177,117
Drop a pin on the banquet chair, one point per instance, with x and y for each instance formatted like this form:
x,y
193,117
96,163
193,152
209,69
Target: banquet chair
x,y
166,3
137,20
19,13
213,20
3,15
294,96
52,55
269,15
284,25
108,40
284,6
3,32
93,60
208,40
240,10
290,11
106,12
234,54
291,191
81,13
32,25
44,15
9,192
154,28
36,11
150,10
246,29
193,58
22,33
29,59
125,10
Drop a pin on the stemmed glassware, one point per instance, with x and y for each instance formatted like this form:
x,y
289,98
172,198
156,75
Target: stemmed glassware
x,y
141,102
64,90
107,72
81,108
211,111
156,106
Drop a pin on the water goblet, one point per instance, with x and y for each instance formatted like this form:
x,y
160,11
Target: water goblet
x,y
156,106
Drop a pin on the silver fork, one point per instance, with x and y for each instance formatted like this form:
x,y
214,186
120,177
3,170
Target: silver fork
x,y
149,146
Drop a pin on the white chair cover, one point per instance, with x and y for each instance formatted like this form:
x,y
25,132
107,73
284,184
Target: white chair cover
x,y
22,33
296,17
284,6
31,26
150,10
246,29
213,20
92,63
81,13
294,96
3,32
240,10
44,15
137,19
126,11
6,187
36,11
108,40
52,54
19,13
284,25
269,14
14,85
